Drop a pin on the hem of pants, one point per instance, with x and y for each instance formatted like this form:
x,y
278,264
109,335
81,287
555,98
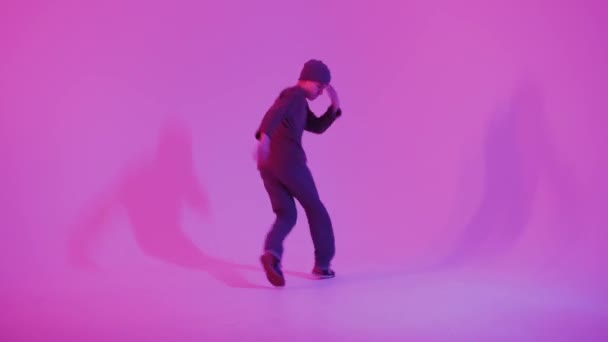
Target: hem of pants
x,y
275,254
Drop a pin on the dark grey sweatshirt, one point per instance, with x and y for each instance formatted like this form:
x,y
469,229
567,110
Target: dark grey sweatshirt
x,y
285,122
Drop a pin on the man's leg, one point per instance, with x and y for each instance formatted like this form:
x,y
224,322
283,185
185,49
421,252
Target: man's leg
x,y
301,185
283,205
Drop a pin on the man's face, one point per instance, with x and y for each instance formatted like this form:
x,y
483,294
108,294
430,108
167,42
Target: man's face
x,y
316,89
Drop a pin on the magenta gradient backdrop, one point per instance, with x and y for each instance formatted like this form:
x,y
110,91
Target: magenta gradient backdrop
x,y
473,141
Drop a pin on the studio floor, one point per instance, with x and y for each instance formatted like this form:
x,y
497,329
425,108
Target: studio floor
x,y
162,303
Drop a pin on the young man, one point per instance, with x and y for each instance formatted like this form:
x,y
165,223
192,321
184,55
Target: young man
x,y
283,167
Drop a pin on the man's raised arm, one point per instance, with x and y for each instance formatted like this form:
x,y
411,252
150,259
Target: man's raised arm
x,y
320,124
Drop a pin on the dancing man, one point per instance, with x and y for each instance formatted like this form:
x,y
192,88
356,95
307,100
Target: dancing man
x,y
282,164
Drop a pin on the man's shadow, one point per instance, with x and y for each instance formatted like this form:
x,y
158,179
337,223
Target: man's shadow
x,y
510,184
506,203
153,193
518,155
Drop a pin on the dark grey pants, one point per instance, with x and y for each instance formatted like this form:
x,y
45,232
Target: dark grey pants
x,y
283,187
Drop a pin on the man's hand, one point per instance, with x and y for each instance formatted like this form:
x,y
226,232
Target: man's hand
x,y
333,96
263,149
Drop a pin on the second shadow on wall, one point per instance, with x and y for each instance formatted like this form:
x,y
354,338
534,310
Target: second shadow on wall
x,y
518,156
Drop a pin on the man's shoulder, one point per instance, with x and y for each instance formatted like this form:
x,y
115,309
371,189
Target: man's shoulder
x,y
293,93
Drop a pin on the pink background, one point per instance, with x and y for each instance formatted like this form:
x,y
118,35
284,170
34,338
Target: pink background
x,y
468,173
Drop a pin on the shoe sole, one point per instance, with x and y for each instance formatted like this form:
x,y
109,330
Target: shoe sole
x,y
323,276
273,277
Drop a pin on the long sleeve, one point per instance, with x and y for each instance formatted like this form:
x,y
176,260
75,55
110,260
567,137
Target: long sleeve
x,y
275,115
320,124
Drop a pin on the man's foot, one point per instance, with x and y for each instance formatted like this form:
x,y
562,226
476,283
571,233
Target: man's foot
x,y
321,273
272,267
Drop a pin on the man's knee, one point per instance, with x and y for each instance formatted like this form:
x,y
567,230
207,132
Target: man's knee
x,y
288,216
314,206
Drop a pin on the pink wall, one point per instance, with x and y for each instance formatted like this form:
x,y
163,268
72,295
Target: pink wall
x,y
473,134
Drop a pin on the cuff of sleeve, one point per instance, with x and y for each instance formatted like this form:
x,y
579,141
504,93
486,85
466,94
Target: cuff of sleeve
x,y
338,112
259,133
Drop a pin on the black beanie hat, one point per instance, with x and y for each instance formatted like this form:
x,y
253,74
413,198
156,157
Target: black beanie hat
x,y
315,70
